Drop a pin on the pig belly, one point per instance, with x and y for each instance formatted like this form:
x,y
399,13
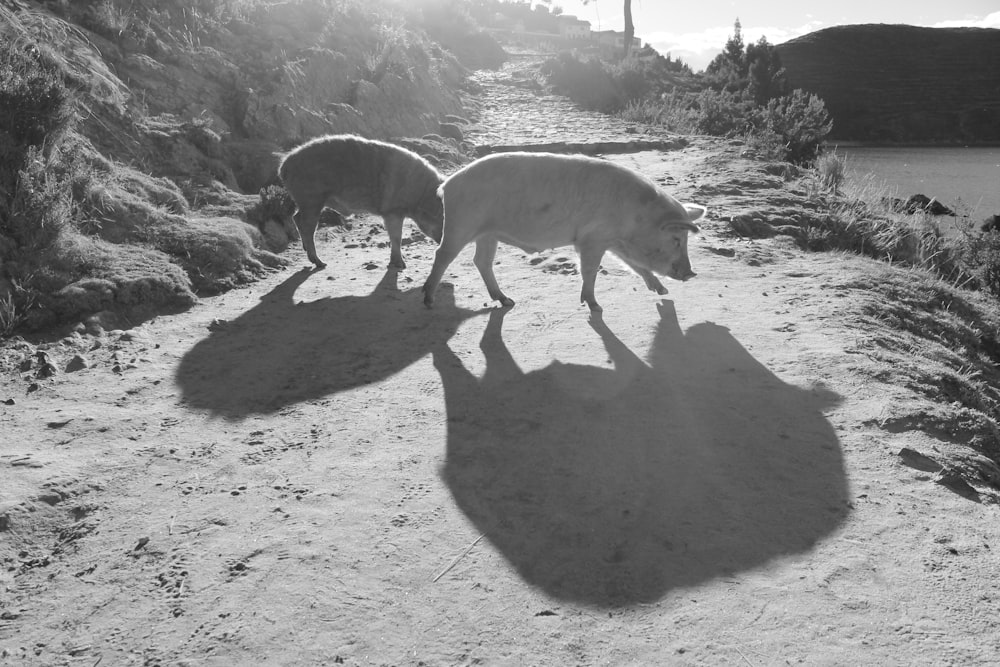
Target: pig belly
x,y
354,201
532,246
537,233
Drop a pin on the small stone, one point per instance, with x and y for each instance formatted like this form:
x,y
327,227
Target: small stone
x,y
77,363
915,459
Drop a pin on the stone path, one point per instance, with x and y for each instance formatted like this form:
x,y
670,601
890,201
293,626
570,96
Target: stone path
x,y
516,112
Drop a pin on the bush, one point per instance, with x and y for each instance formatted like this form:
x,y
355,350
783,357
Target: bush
x,y
586,82
721,113
37,106
36,111
674,112
800,119
830,168
41,207
613,87
274,204
980,257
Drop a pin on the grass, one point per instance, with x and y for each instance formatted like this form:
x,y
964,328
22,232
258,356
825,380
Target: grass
x,y
940,340
860,217
79,232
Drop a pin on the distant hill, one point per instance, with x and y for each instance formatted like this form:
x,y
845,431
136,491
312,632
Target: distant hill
x,y
899,83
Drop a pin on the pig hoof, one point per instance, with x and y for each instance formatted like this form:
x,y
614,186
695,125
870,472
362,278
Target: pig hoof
x,y
397,264
506,302
319,264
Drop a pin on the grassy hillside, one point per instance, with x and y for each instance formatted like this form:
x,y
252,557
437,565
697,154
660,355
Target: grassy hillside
x,y
137,135
902,83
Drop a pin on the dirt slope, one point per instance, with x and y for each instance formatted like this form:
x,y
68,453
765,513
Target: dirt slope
x,y
319,470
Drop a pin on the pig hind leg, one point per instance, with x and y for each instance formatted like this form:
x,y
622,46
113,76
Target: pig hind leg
x,y
306,218
590,263
394,226
486,250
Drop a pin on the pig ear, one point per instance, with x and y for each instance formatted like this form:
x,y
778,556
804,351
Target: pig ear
x,y
695,212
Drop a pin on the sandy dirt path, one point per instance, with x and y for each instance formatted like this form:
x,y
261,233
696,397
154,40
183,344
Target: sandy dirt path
x,y
318,470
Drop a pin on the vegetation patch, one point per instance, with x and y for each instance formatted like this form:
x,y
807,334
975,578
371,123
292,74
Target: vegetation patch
x,y
126,197
942,342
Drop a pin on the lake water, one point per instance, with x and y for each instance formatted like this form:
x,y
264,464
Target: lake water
x,y
968,178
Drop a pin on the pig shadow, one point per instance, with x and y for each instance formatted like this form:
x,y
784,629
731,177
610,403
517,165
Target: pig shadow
x,y
280,352
611,487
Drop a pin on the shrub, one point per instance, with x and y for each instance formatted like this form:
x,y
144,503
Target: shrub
x,y
800,119
831,167
274,204
586,82
36,103
36,110
632,79
41,206
980,257
767,145
673,111
721,113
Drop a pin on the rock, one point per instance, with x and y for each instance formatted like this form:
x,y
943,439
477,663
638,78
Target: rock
x,y
915,459
98,323
275,235
918,203
991,224
451,131
953,480
926,204
77,363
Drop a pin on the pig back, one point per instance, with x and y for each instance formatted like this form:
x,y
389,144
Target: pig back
x,y
549,199
340,169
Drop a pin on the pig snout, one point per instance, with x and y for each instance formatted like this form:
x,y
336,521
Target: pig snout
x,y
685,273
681,270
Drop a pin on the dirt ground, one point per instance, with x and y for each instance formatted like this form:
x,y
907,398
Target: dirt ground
x,y
318,470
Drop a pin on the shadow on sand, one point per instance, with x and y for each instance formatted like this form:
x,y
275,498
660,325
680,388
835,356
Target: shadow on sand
x,y
613,486
280,352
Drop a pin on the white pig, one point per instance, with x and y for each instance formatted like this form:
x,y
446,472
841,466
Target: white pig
x,y
537,201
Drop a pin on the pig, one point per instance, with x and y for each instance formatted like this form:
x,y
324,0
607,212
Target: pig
x,y
353,174
537,201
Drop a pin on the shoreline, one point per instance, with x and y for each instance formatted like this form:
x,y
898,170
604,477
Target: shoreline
x,y
883,144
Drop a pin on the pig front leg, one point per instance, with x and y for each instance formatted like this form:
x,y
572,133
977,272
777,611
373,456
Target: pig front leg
x,y
486,250
652,282
394,226
443,257
590,263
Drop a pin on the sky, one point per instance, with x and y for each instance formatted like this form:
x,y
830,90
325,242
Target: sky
x,y
696,30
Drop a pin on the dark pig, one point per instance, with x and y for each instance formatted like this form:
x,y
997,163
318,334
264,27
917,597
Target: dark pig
x,y
353,174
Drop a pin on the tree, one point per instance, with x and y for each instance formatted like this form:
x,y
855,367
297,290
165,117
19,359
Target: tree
x,y
733,51
629,26
754,69
765,75
728,70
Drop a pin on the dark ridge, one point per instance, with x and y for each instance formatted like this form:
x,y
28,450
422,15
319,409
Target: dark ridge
x,y
900,83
